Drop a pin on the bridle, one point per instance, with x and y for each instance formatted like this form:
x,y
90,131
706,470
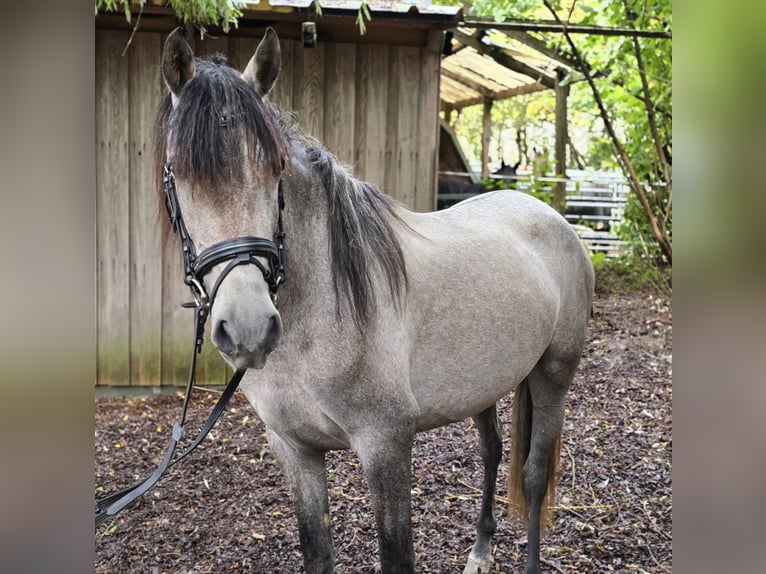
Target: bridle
x,y
238,251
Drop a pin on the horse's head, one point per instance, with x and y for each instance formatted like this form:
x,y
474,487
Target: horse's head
x,y
507,169
223,144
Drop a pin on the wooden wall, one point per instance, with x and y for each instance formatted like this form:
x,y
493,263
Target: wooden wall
x,y
374,106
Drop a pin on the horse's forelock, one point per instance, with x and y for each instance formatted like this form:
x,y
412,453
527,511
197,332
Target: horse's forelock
x,y
219,127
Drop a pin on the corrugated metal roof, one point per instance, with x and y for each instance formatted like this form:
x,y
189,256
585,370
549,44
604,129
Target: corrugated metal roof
x,y
412,7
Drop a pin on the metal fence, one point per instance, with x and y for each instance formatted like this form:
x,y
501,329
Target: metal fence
x,y
595,203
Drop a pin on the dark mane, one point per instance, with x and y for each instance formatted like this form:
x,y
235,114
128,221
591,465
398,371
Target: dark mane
x,y
219,126
361,236
360,216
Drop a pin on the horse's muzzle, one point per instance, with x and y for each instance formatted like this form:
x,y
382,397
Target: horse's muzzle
x,y
246,345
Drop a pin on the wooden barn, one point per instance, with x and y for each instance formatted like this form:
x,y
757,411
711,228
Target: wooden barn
x,y
372,99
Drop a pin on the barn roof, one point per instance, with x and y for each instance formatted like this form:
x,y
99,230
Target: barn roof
x,y
410,22
412,7
492,66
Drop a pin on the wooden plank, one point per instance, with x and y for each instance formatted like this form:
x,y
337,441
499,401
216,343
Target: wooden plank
x,y
308,88
428,132
371,113
392,122
504,59
112,212
404,75
241,49
145,242
339,100
486,134
562,138
210,45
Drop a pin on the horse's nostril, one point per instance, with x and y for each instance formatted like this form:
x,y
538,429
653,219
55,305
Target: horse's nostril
x,y
273,333
222,339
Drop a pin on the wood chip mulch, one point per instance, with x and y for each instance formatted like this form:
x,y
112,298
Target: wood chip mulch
x,y
226,509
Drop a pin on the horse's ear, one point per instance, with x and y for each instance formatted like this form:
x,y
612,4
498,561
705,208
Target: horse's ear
x,y
177,62
502,163
264,66
516,165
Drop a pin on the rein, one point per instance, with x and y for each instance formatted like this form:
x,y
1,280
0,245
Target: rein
x,y
237,251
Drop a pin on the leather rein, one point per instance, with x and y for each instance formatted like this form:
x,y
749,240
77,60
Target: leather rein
x,y
233,252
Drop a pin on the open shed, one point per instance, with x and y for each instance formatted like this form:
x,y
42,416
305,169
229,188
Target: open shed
x,y
483,65
373,100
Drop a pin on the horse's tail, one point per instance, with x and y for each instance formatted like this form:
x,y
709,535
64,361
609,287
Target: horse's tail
x,y
521,436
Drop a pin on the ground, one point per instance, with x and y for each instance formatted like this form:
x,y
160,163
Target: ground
x,y
225,508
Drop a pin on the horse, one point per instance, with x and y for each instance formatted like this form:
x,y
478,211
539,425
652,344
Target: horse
x,y
388,322
452,185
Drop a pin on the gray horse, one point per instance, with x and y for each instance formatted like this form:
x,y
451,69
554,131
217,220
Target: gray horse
x,y
389,322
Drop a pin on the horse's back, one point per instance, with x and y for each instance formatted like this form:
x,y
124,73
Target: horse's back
x,y
493,281
507,229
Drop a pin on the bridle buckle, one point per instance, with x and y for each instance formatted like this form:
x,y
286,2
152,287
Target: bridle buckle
x,y
201,298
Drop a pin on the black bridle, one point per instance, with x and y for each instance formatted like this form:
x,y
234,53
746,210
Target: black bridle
x,y
237,251
233,252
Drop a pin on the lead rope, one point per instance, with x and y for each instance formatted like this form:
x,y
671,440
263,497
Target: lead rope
x,y
108,506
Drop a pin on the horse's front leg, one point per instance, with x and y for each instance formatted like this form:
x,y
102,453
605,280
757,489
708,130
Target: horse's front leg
x,y
305,472
387,464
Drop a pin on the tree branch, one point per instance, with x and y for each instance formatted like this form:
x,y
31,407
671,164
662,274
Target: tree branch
x,y
659,234
650,112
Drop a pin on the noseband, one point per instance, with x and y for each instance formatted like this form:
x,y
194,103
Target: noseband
x,y
233,252
237,251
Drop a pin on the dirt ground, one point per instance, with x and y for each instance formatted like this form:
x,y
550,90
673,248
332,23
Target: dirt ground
x,y
226,509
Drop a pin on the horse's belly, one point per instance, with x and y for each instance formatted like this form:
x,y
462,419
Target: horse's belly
x,y
458,370
449,395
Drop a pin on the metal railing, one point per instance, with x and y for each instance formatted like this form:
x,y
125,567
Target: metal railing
x,y
594,204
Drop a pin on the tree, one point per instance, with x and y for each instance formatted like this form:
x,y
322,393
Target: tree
x,y
630,80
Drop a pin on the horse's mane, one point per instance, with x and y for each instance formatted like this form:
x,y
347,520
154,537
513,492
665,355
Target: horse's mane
x,y
361,235
360,216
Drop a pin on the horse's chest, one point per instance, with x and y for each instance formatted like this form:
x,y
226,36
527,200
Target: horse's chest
x,y
285,407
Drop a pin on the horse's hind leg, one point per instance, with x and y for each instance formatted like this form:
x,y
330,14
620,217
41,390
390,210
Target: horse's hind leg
x,y
539,414
491,447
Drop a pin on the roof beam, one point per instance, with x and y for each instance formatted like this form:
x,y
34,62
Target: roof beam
x,y
552,26
504,59
503,95
542,47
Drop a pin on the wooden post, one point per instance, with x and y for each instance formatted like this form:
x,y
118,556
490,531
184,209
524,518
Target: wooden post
x,y
562,137
486,132
448,110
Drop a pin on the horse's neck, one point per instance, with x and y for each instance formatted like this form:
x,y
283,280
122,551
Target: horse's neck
x,y
308,274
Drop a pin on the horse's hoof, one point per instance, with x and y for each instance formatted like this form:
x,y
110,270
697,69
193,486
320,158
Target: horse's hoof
x,y
476,565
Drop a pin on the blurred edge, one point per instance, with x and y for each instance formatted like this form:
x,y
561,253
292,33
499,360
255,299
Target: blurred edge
x,y
47,350
719,288
47,339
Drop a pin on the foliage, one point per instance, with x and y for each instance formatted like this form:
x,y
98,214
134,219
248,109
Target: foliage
x,y
202,13
630,273
643,255
223,13
643,130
